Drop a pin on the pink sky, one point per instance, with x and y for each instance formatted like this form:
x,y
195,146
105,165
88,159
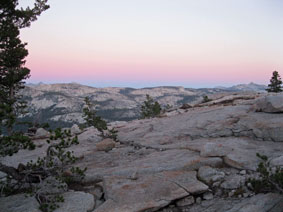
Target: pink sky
x,y
144,43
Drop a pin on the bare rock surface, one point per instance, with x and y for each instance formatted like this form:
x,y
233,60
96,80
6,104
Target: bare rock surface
x,y
210,175
233,182
75,129
73,202
41,133
76,202
105,145
91,134
198,159
270,104
259,203
20,202
149,192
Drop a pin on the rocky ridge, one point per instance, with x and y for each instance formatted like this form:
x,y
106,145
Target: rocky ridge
x,y
195,159
61,104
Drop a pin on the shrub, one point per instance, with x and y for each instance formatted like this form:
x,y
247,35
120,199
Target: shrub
x,y
205,99
150,108
91,118
30,177
270,179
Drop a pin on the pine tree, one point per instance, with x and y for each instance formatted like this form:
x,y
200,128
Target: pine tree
x,y
12,56
13,73
275,83
150,108
91,118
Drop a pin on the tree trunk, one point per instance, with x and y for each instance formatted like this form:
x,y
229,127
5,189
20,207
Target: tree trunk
x,y
11,171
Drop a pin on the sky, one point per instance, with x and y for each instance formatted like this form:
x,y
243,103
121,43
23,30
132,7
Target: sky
x,y
144,43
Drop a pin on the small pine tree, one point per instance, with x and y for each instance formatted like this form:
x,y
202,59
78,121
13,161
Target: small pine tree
x,y
205,99
150,108
275,83
91,118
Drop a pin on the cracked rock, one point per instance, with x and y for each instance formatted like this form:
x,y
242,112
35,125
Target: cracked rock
x,y
185,201
210,175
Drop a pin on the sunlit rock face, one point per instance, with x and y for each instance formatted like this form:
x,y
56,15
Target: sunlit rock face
x,y
61,104
195,159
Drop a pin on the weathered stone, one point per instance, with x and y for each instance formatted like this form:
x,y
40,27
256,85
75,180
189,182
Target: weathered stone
x,y
207,196
198,200
215,150
149,192
51,185
97,192
229,99
19,203
210,175
186,106
233,182
105,145
76,202
277,161
143,194
41,133
243,172
270,104
155,163
90,134
185,201
123,163
185,179
75,129
259,203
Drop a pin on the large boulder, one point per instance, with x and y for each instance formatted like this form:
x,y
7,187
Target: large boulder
x,y
270,104
75,129
233,182
41,133
19,203
76,202
210,175
105,145
91,135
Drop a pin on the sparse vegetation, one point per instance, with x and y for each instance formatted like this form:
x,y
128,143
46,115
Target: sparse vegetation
x,y
91,117
150,108
113,134
12,58
205,99
271,179
275,83
30,177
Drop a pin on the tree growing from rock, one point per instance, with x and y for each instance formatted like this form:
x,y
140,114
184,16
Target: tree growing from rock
x,y
45,178
271,179
150,108
91,118
13,73
12,57
275,83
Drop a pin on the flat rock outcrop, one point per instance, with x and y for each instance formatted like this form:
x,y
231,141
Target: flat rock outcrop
x,y
193,159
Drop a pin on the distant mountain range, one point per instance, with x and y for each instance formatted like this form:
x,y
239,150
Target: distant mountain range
x,y
246,87
61,105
